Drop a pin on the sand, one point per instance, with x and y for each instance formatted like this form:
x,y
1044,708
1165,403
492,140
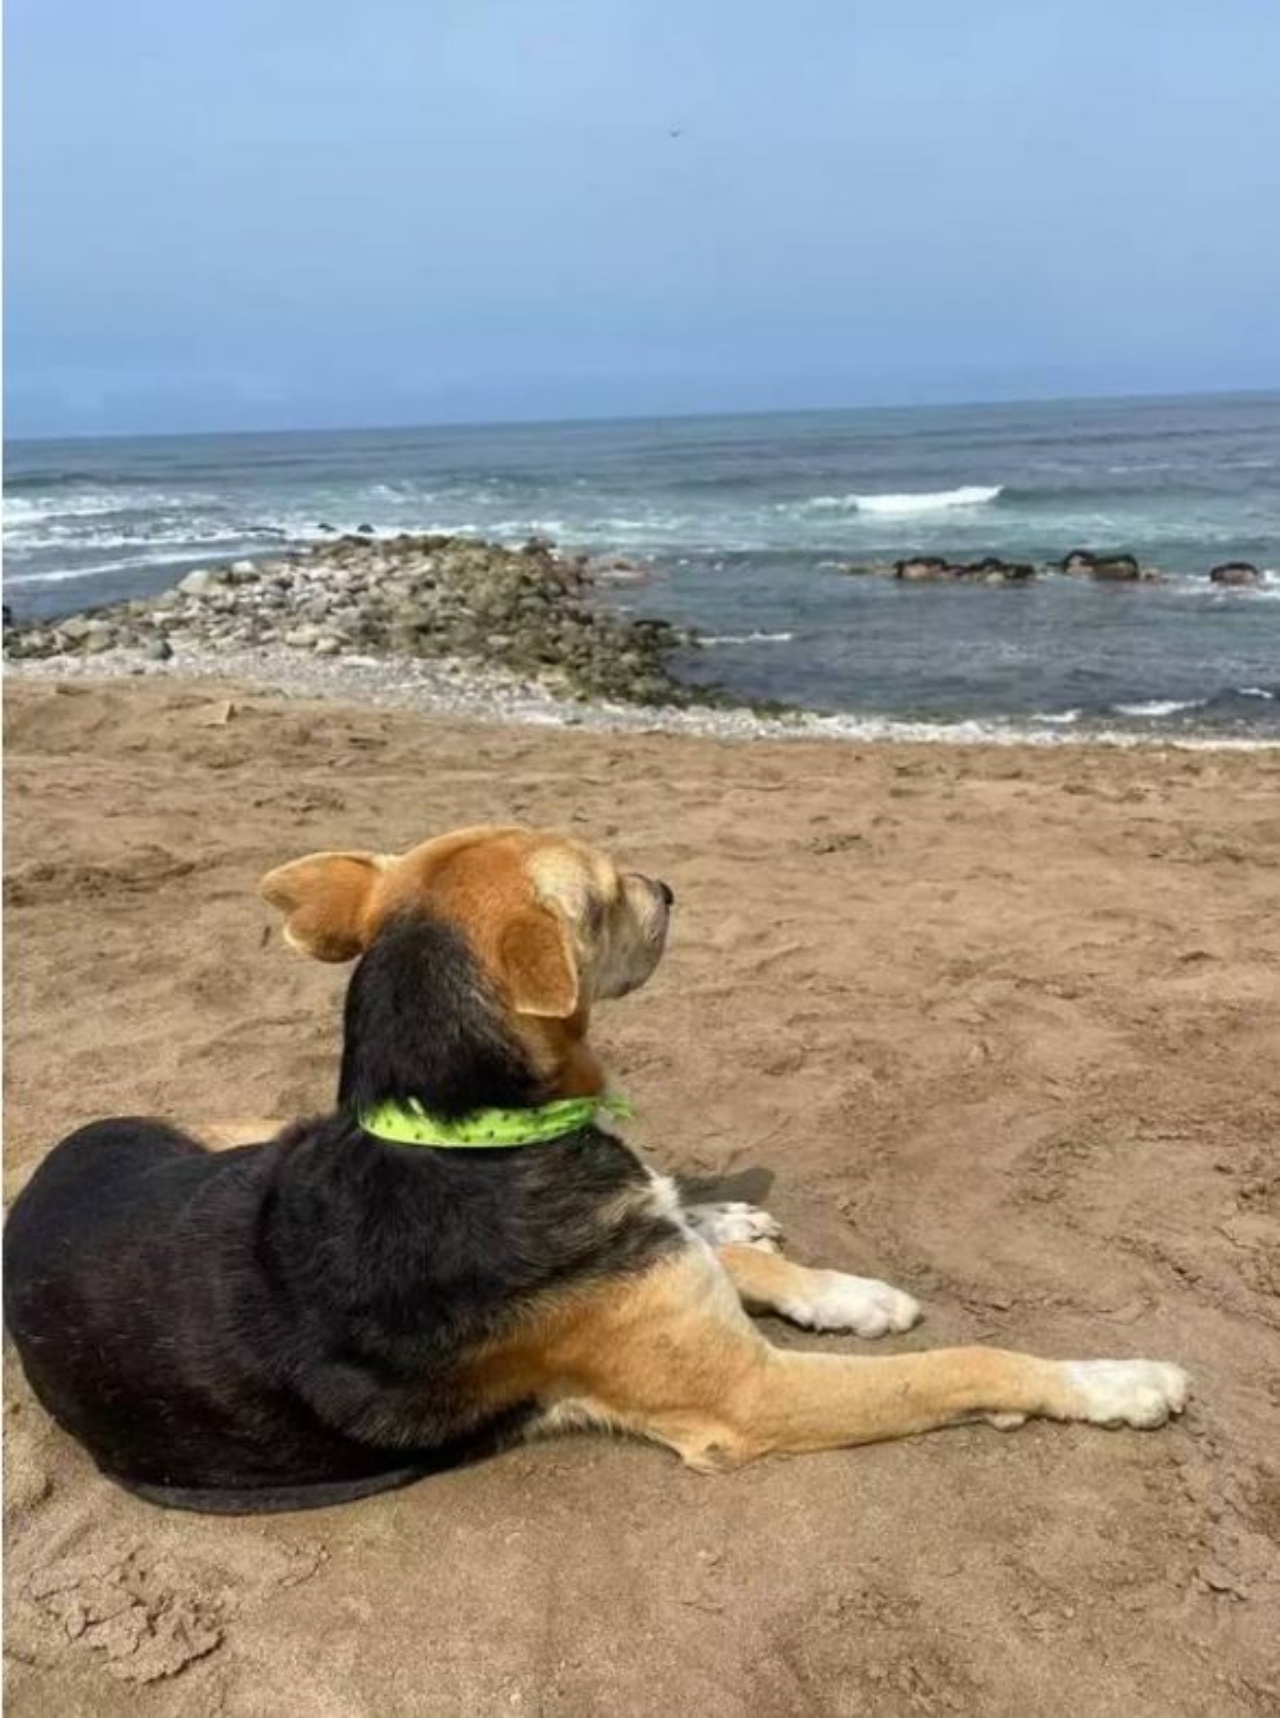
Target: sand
x,y
996,1024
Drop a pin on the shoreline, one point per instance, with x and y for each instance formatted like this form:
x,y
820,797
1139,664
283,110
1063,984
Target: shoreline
x,y
476,630
449,689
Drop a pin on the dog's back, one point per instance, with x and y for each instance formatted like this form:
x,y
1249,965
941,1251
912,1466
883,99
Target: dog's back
x,y
291,1324
149,1326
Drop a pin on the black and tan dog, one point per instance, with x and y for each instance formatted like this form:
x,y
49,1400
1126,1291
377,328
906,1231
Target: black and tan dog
x,y
400,1285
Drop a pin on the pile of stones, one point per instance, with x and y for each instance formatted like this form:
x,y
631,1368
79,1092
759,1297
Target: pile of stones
x,y
527,611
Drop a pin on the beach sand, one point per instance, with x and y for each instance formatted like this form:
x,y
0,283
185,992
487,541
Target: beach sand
x,y
998,1024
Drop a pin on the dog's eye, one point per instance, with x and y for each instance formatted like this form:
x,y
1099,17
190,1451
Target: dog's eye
x,y
596,911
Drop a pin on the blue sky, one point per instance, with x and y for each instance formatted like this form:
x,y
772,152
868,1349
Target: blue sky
x,y
270,213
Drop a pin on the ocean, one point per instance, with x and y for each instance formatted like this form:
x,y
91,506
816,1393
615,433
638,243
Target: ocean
x,y
748,522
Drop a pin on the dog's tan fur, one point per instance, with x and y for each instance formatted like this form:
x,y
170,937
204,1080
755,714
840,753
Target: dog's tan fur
x,y
670,1354
674,1358
527,902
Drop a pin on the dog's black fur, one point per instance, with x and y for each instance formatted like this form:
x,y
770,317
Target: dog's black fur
x,y
288,1324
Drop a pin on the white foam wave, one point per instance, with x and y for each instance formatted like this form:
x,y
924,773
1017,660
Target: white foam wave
x,y
1058,718
1255,692
123,564
749,638
24,511
189,534
909,501
1157,707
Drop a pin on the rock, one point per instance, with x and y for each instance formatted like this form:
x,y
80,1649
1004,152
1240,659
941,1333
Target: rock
x,y
364,530
1083,563
1122,569
1236,573
922,567
990,570
994,571
159,650
329,530
326,645
75,627
8,618
202,580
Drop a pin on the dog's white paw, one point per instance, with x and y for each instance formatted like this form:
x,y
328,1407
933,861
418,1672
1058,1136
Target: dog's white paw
x,y
1126,1392
860,1304
734,1224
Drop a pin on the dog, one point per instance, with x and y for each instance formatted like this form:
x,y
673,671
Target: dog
x,y
464,1253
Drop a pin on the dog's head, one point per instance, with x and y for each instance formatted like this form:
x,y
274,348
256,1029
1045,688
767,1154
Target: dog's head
x,y
556,924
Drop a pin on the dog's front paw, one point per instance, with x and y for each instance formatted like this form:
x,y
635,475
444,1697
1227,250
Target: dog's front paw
x,y
860,1304
1126,1392
734,1224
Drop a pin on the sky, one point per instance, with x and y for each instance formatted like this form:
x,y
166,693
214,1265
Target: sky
x,y
252,214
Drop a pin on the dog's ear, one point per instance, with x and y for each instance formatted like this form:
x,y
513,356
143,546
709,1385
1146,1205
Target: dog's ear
x,y
325,900
537,964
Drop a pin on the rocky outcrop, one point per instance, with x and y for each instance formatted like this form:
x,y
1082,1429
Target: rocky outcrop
x,y
527,611
922,568
994,571
1122,569
990,570
1236,573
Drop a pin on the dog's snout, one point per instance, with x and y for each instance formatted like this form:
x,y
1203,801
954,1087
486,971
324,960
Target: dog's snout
x,y
667,892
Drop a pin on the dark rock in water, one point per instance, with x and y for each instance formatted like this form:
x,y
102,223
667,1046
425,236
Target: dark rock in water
x,y
364,530
1083,563
9,622
329,530
990,570
921,567
1120,567
993,571
1236,573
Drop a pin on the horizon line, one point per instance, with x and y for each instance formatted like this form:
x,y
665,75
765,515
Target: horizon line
x,y
603,418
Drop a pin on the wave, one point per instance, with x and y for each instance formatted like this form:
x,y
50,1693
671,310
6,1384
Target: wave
x,y
748,638
26,511
908,502
1154,708
189,536
37,480
37,522
86,575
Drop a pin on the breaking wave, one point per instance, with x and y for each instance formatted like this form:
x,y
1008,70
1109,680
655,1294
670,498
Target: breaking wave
x,y
908,502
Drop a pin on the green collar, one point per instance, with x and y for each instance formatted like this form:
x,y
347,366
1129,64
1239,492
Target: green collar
x,y
410,1124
